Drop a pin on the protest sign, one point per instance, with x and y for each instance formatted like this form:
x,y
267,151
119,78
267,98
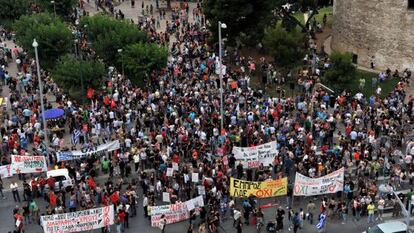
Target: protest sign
x,y
85,220
331,183
79,154
175,166
6,171
252,157
175,212
28,164
201,190
166,197
194,177
260,189
186,178
169,171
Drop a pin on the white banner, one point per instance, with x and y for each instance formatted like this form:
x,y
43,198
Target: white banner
x,y
331,183
6,171
79,154
174,212
84,220
252,157
28,164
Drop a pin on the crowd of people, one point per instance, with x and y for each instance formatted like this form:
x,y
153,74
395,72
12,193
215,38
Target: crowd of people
x,y
175,119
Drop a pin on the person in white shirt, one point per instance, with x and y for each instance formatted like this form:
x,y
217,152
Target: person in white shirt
x,y
14,188
145,205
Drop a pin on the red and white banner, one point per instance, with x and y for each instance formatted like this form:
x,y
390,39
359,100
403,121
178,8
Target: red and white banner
x,y
252,157
331,183
85,220
6,171
175,212
28,164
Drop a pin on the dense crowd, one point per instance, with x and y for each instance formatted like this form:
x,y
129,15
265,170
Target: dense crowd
x,y
175,119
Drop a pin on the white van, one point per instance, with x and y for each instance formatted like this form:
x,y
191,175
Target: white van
x,y
60,175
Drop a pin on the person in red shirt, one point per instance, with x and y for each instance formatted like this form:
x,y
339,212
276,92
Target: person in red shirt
x,y
51,183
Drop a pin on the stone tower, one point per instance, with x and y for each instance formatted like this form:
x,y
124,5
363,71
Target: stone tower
x,y
383,29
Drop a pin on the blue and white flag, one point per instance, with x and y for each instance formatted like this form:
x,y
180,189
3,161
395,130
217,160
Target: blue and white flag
x,y
322,221
75,136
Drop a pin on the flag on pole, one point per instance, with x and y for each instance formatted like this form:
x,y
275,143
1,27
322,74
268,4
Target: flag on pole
x,y
322,221
75,136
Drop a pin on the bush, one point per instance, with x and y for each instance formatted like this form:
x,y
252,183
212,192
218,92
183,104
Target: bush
x,y
287,48
342,70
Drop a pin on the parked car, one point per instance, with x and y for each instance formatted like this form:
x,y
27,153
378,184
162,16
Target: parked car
x,y
60,176
388,227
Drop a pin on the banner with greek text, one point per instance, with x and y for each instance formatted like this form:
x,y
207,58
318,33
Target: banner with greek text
x,y
175,212
260,189
85,220
252,157
331,183
79,154
28,164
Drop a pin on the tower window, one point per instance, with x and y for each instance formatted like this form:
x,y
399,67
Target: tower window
x,y
411,4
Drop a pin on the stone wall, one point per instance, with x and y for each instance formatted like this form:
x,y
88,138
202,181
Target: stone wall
x,y
380,28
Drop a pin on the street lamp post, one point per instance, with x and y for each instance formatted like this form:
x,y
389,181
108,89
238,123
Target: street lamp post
x,y
220,26
54,6
35,45
122,61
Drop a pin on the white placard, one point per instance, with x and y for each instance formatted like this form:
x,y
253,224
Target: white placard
x,y
194,177
6,171
169,171
175,166
252,157
28,164
166,197
186,178
80,221
201,190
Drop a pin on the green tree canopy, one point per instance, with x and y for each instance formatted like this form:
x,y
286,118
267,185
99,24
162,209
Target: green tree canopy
x,y
64,8
11,10
54,38
141,59
70,72
287,48
245,19
342,70
108,35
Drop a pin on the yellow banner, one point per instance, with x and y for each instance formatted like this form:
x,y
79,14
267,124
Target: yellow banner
x,y
261,189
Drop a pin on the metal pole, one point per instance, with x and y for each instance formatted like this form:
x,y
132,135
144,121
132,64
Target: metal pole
x,y
221,79
35,44
408,216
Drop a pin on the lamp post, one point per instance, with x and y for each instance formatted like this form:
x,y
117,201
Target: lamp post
x,y
221,26
54,6
122,61
35,45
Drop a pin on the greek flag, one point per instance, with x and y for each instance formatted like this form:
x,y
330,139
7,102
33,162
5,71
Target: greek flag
x,y
322,221
75,136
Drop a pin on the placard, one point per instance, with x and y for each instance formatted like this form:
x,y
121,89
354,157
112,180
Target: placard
x,y
85,152
166,197
252,157
175,166
331,183
194,177
169,172
28,164
260,189
6,171
85,220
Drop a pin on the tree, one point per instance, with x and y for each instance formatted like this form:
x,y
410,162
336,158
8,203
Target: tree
x,y
141,59
75,75
245,19
285,47
64,8
342,70
11,10
54,38
108,35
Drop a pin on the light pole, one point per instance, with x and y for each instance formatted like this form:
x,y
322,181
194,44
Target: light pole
x,y
220,26
35,45
122,61
54,6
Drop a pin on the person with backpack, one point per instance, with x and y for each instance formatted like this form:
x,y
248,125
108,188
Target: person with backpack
x,y
296,222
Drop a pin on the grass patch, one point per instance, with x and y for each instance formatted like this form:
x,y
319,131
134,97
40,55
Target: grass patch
x,y
387,86
319,17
